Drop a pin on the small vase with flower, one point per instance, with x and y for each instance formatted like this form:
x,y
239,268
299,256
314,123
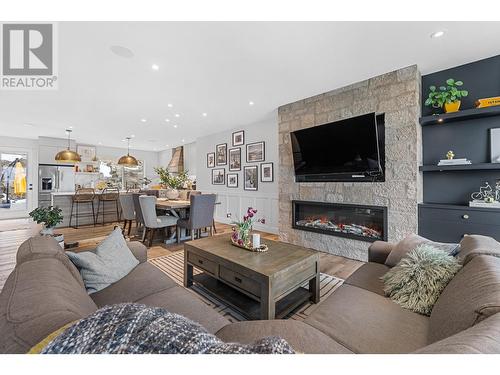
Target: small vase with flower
x,y
242,231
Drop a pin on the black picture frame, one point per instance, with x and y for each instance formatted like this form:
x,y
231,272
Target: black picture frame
x,y
221,154
211,164
256,159
214,172
234,138
252,185
263,177
228,177
237,151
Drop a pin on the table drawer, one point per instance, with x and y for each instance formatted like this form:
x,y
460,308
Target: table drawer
x,y
203,263
240,281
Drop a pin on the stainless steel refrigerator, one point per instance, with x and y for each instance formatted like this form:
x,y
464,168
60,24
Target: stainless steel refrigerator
x,y
54,178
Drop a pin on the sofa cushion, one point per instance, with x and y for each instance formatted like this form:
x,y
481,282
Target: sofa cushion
x,y
471,296
139,250
365,322
302,337
483,338
142,281
39,297
368,277
474,245
184,302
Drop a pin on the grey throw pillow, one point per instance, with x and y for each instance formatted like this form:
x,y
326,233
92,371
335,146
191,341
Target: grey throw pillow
x,y
110,262
417,281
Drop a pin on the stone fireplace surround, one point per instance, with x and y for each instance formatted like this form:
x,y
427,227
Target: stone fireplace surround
x,y
397,94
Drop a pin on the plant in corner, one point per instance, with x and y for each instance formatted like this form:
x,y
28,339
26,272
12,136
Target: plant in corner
x,y
171,181
446,96
49,217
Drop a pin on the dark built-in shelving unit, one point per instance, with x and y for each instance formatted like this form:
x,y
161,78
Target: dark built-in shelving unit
x,y
467,114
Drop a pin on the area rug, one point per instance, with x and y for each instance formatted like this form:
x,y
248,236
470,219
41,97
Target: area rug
x,y
173,266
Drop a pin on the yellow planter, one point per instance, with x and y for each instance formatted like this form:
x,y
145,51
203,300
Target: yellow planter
x,y
452,107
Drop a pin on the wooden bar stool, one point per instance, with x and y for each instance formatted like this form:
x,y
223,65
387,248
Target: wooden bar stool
x,y
108,195
82,196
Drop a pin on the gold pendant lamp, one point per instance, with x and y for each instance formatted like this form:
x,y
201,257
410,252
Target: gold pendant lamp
x,y
68,156
128,160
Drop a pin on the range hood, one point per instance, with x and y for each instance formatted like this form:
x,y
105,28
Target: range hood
x,y
176,165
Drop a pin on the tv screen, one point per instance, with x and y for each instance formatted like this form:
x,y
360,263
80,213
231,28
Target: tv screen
x,y
342,150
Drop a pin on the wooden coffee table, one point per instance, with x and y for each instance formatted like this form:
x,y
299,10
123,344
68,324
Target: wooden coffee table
x,y
259,285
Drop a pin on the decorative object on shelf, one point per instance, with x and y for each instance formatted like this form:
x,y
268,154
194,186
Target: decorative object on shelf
x,y
267,172
495,145
485,197
250,178
211,160
450,155
68,156
49,217
242,232
238,138
446,96
221,154
87,153
235,159
487,102
256,152
460,161
232,180
172,182
128,160
218,176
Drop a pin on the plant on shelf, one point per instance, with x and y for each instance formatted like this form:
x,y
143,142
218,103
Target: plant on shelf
x,y
48,216
171,181
241,229
446,96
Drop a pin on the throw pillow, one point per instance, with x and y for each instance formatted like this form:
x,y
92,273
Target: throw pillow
x,y
132,328
110,262
411,242
416,282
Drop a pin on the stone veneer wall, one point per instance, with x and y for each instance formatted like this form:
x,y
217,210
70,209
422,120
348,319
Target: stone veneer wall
x,y
397,94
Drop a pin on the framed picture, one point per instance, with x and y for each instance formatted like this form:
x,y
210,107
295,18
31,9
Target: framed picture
x,y
221,154
267,172
495,145
255,152
235,159
87,153
218,176
232,180
250,176
211,160
239,138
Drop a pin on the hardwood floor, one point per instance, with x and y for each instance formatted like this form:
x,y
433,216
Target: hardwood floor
x,y
14,232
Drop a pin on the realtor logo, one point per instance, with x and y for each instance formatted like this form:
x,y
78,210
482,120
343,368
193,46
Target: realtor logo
x,y
28,56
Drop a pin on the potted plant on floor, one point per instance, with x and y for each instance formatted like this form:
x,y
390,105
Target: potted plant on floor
x,y
447,97
172,182
49,217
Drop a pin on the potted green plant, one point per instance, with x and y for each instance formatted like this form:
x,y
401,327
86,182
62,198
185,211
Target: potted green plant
x,y
447,97
171,181
49,217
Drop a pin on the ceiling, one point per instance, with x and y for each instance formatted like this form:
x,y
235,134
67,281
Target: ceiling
x,y
217,68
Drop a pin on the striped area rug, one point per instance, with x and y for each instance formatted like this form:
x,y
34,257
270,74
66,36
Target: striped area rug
x,y
173,266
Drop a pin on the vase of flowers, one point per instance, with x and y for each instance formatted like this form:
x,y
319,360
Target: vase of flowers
x,y
242,230
172,182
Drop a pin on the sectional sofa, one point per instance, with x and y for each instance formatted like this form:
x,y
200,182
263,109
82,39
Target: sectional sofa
x,y
45,292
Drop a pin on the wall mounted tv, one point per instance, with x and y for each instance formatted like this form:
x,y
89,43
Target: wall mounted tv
x,y
348,150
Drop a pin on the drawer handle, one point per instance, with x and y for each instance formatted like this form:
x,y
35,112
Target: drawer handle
x,y
465,216
238,279
200,261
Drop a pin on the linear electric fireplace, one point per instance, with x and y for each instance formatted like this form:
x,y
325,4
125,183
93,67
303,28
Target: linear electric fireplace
x,y
365,223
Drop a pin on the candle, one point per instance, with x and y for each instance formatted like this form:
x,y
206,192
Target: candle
x,y
255,240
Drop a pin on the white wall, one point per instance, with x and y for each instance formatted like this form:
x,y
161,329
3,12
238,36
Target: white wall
x,y
235,201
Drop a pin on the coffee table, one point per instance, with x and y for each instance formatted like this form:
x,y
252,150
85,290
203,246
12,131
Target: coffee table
x,y
259,285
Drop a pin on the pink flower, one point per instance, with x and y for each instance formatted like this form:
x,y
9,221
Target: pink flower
x,y
263,221
240,242
234,236
245,218
250,214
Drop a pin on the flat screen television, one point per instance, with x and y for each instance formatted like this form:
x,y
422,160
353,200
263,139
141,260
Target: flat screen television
x,y
348,150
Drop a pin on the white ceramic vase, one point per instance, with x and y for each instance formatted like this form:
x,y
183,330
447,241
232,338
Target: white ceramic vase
x,y
172,193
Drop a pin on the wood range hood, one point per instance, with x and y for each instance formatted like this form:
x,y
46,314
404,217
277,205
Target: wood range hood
x,y
176,164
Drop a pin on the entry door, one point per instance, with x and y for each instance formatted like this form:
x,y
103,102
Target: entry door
x,y
16,183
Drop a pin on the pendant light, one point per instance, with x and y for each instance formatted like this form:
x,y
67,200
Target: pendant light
x,y
128,160
68,156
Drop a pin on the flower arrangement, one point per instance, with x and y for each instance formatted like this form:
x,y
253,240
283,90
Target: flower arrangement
x,y
170,180
241,230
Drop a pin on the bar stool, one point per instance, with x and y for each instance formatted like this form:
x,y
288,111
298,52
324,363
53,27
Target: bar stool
x,y
108,195
82,195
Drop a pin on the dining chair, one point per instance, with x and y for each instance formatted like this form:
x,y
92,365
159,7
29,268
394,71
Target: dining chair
x,y
128,211
153,222
197,192
201,215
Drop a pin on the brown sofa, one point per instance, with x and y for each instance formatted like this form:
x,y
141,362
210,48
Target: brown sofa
x,y
45,291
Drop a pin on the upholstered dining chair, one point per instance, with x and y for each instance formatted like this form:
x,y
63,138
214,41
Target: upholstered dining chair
x,y
197,192
201,215
128,211
152,222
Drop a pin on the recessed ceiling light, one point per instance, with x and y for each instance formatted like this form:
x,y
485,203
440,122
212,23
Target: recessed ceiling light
x,y
132,136
70,127
167,120
124,140
437,34
177,115
143,120
122,51
170,105
251,103
204,114
155,67
175,126
167,146
182,140
100,143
